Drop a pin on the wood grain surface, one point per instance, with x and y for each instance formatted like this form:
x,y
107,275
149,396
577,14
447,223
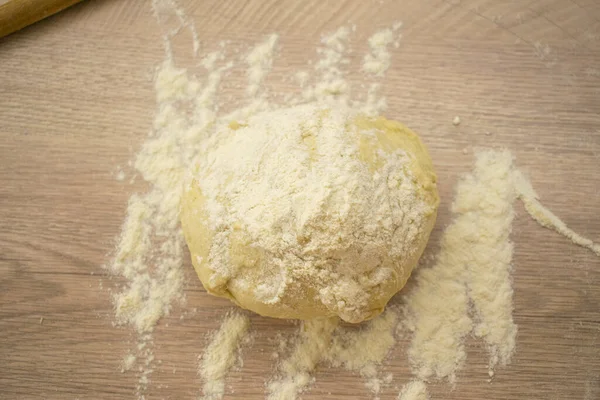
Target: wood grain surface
x,y
76,102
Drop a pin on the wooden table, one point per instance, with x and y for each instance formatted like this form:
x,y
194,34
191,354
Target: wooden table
x,y
76,101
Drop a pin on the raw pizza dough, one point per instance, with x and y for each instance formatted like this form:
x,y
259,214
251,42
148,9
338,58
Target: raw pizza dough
x,y
308,212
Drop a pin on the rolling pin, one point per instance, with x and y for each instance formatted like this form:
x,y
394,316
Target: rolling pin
x,y
17,14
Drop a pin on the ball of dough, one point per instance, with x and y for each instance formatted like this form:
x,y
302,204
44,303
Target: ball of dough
x,y
307,212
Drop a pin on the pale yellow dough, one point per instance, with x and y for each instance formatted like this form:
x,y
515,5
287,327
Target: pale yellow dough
x,y
301,299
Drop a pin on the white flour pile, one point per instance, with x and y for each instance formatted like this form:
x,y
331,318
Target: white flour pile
x,y
466,290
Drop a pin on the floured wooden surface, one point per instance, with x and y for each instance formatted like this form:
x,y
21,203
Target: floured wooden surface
x,y
77,102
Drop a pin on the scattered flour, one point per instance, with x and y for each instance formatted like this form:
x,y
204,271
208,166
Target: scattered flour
x,y
301,78
260,61
414,390
374,104
378,60
163,10
128,362
220,355
149,252
323,342
546,218
489,263
332,87
472,267
363,349
375,64
295,371
120,175
467,290
545,53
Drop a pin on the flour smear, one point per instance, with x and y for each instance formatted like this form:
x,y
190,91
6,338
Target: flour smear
x,y
465,291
